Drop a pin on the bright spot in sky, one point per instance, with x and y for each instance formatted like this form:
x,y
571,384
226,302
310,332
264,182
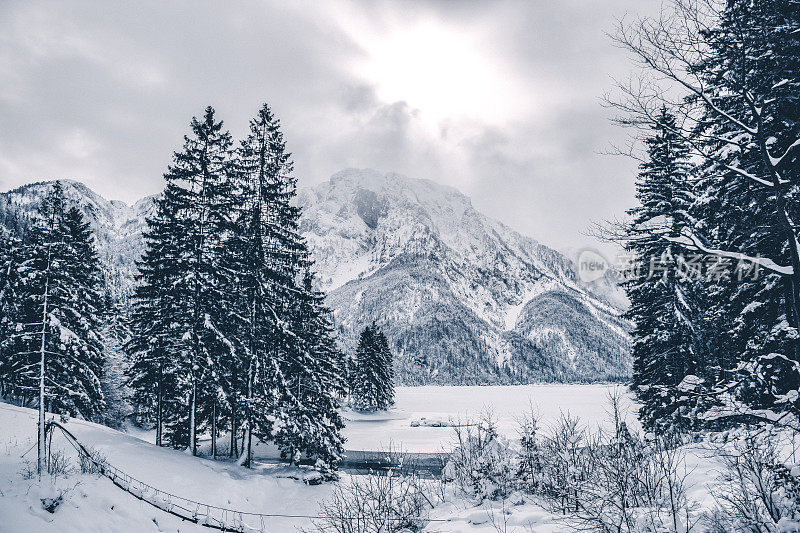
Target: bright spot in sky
x,y
439,71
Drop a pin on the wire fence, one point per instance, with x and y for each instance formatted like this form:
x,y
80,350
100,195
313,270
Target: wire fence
x,y
204,514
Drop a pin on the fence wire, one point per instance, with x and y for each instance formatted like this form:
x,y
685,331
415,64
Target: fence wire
x,y
204,514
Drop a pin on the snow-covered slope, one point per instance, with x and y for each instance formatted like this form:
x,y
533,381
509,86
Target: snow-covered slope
x,y
462,297
92,503
458,294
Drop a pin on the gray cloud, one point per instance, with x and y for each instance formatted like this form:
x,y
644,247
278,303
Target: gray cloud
x,y
103,92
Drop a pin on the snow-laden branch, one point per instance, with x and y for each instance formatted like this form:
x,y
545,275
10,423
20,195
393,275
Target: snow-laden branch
x,y
690,240
777,161
748,175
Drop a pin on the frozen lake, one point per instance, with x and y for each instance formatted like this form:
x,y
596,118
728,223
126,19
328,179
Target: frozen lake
x,y
394,430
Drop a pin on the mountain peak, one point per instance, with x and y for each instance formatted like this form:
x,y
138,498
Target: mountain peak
x,y
392,182
419,259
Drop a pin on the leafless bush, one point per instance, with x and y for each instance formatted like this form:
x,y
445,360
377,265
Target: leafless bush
x,y
529,467
756,490
28,470
564,464
378,503
91,465
482,464
663,486
58,464
614,481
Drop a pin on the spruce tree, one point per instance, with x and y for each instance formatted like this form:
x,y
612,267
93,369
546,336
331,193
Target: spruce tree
x,y
10,334
386,369
153,348
264,253
750,134
308,419
738,65
225,318
291,367
665,294
184,275
373,385
60,311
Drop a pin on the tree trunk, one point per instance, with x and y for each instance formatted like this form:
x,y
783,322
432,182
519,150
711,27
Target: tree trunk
x,y
192,418
233,448
214,429
41,443
160,408
249,435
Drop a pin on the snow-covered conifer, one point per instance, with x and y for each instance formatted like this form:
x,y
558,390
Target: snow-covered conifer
x,y
373,384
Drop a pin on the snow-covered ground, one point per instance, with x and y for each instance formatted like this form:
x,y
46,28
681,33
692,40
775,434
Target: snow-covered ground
x,y
92,503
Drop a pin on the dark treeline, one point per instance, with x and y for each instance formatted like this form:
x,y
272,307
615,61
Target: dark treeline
x,y
716,295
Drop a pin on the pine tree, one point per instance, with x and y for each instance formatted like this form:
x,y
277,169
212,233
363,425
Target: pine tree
x,y
153,347
665,295
264,253
290,362
60,290
738,65
308,419
751,135
10,336
225,318
374,380
386,369
184,277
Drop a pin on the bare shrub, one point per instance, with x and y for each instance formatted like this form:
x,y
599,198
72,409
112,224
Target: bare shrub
x,y
28,470
565,464
614,481
58,464
757,492
663,486
529,466
378,503
93,464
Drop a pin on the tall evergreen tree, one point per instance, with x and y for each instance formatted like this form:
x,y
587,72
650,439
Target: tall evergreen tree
x,y
751,135
373,385
738,65
289,360
152,346
264,257
669,341
10,336
308,420
225,318
60,312
186,258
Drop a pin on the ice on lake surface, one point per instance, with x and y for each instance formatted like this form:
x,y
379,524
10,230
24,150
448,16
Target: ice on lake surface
x,y
411,425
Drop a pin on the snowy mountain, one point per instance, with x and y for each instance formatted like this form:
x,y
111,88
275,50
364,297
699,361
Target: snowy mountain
x,y
461,297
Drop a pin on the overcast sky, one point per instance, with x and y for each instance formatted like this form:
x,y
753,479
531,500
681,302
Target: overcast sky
x,y
500,99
